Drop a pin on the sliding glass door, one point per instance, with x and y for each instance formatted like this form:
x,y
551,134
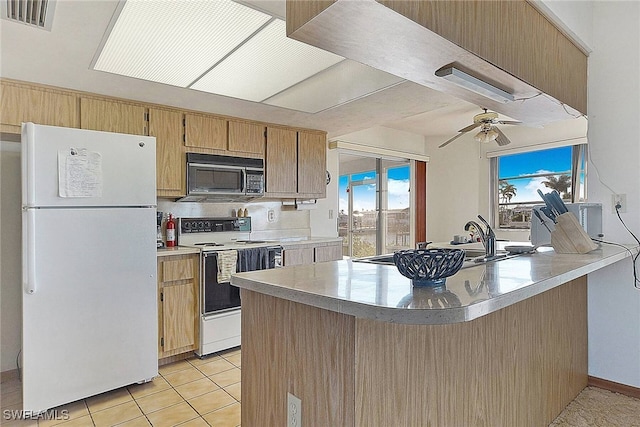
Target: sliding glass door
x,y
375,211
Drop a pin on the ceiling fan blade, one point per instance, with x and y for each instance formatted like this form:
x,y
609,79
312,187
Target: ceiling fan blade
x,y
470,127
509,122
449,141
502,138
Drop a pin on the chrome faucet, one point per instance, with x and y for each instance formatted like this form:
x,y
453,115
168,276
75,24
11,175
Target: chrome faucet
x,y
488,239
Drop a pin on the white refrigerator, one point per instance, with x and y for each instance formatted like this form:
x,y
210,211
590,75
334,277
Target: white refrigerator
x,y
89,300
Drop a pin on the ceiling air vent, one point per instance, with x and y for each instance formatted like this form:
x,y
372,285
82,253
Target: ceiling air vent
x,y
36,13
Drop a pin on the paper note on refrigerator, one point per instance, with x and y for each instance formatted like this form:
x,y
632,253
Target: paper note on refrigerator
x,y
79,173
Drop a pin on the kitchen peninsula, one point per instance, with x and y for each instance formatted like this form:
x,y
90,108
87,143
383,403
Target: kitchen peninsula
x,y
504,343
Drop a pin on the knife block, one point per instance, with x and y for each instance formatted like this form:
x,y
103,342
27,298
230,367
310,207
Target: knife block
x,y
569,237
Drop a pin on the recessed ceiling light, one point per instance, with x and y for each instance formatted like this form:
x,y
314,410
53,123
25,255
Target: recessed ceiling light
x,y
337,85
264,65
175,42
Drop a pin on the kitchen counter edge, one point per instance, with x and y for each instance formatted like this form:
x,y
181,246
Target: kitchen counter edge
x,y
317,295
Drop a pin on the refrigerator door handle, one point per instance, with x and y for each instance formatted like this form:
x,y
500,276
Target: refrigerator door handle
x,y
30,254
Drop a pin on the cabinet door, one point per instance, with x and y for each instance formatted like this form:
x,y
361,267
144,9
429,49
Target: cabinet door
x,y
23,104
201,131
178,314
328,253
280,161
312,163
166,126
246,137
298,256
112,116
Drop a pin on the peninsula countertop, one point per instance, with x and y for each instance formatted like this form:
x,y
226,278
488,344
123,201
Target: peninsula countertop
x,y
381,293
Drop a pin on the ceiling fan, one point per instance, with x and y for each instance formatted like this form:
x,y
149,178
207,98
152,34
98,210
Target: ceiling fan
x,y
488,131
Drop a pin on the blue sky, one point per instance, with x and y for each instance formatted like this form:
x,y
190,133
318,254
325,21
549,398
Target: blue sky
x,y
544,161
364,197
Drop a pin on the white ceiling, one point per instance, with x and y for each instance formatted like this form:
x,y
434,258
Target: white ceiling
x,y
63,57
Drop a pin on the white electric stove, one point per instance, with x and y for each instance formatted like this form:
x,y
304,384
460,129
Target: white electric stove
x,y
220,327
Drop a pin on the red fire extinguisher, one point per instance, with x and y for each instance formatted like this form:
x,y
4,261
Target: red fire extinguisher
x,y
171,232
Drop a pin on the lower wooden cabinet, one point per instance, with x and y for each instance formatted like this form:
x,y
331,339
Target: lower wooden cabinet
x,y
328,253
311,254
178,326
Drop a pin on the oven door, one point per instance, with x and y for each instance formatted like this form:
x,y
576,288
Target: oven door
x,y
216,297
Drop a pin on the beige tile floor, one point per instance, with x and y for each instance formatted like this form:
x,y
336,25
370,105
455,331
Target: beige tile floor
x,y
190,393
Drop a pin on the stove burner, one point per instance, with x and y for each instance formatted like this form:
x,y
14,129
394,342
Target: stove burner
x,y
208,244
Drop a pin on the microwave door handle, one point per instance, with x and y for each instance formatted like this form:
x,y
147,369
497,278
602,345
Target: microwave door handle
x,y
243,190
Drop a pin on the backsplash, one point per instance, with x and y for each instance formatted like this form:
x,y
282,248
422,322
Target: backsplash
x,y
287,222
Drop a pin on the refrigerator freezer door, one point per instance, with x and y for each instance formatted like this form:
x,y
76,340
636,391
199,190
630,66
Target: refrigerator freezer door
x,y
76,167
91,323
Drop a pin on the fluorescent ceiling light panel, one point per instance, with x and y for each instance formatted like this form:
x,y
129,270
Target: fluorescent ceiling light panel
x,y
266,64
474,84
337,85
174,42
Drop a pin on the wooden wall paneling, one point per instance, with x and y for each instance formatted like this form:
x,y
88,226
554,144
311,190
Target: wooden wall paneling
x,y
166,126
281,160
246,137
511,35
204,131
20,103
112,116
300,12
344,28
312,163
291,347
519,366
264,375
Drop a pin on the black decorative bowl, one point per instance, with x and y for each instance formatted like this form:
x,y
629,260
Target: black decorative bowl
x,y
429,267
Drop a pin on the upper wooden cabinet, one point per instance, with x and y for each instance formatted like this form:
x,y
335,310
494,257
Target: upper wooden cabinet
x,y
506,43
204,131
246,137
312,164
281,174
38,105
166,126
112,116
295,163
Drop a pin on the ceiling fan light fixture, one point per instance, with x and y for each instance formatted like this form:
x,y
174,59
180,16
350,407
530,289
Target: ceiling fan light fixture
x,y
486,136
474,84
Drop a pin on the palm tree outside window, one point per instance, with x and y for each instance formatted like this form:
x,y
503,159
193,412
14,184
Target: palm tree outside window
x,y
517,178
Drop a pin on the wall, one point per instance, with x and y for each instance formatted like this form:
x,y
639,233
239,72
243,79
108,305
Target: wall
x,y
324,218
458,175
10,255
288,221
611,30
614,135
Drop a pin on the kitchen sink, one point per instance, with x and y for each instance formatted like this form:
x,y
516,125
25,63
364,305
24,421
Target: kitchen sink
x,y
473,257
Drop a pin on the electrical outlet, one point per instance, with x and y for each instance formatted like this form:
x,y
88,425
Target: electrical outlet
x,y
619,199
330,213
294,411
271,215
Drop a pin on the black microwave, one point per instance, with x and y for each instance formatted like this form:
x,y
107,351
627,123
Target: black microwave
x,y
214,178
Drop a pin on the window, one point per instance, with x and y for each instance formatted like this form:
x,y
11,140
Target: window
x,y
518,177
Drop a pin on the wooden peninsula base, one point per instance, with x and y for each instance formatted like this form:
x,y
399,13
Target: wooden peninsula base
x,y
518,366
